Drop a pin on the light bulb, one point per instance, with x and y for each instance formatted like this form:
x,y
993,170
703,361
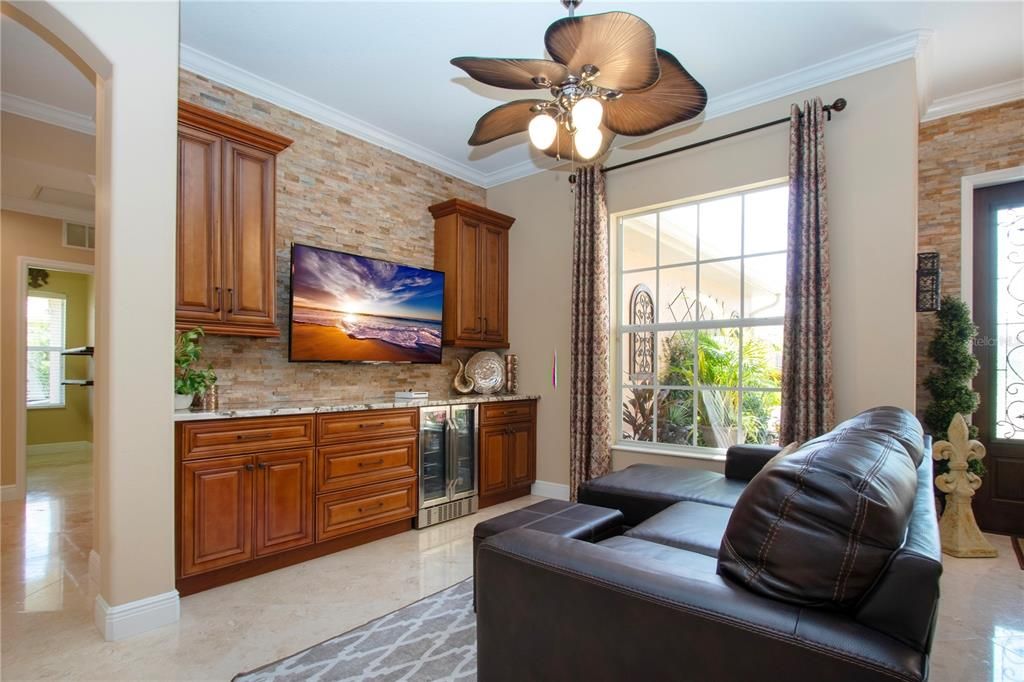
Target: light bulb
x,y
542,129
588,141
587,113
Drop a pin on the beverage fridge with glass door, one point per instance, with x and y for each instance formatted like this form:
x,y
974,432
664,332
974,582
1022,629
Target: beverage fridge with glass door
x,y
449,437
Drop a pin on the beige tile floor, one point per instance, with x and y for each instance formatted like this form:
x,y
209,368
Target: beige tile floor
x,y
47,629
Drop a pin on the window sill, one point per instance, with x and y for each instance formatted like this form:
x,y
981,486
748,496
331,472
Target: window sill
x,y
704,454
55,406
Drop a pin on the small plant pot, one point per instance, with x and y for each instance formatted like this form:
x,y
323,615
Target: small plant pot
x,y
182,402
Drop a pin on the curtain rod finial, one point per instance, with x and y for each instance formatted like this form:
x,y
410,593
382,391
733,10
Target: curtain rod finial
x,y
839,104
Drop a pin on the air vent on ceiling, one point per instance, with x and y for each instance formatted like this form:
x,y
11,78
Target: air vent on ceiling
x,y
65,197
79,235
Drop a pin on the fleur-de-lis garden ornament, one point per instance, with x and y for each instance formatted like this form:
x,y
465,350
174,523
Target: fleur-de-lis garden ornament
x,y
958,529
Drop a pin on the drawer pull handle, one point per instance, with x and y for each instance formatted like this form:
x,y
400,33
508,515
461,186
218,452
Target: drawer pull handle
x,y
507,412
372,507
374,425
254,436
374,463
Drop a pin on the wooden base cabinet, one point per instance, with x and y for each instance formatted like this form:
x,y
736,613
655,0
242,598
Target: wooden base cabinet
x,y
261,493
508,451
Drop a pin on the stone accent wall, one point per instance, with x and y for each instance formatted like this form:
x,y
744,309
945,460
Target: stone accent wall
x,y
950,148
337,192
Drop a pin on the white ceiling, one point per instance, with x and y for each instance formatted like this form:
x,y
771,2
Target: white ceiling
x,y
386,64
380,69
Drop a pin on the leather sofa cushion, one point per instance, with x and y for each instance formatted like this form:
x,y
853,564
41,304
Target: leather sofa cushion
x,y
686,563
642,490
692,526
818,527
894,422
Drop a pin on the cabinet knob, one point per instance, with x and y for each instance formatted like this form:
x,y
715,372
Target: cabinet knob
x,y
262,465
249,467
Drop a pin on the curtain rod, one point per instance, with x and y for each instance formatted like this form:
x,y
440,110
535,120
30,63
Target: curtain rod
x,y
838,105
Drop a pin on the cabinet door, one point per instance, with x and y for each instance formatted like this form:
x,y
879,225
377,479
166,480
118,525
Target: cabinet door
x,y
521,459
468,311
249,263
494,283
198,293
284,500
216,514
493,459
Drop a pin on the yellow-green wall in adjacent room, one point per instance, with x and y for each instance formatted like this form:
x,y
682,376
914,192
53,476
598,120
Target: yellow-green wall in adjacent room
x,y
73,422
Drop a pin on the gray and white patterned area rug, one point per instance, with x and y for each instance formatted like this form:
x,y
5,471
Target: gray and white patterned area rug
x,y
432,639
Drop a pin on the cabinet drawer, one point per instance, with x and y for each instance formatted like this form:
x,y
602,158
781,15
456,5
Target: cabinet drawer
x,y
361,508
236,436
339,467
340,428
506,412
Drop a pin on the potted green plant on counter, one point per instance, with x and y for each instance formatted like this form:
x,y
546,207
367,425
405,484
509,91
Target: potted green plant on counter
x,y
190,382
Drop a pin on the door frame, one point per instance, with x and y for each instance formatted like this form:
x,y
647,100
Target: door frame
x,y
968,184
20,369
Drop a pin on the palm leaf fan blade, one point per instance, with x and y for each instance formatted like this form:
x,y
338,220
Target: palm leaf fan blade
x,y
620,44
514,74
508,119
675,98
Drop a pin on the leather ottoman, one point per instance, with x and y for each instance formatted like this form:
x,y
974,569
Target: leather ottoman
x,y
557,517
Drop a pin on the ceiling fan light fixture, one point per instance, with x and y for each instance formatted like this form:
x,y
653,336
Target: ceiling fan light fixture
x,y
543,129
587,113
588,142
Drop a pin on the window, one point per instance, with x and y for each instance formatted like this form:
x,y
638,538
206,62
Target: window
x,y
700,306
45,317
79,235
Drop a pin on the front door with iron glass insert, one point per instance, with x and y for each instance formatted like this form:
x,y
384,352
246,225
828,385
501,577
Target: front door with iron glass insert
x,y
999,314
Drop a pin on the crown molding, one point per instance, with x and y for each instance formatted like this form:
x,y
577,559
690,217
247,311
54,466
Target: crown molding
x,y
216,69
989,96
906,46
47,210
47,113
912,45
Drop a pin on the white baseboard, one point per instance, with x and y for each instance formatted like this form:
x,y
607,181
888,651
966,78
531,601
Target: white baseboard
x,y
136,617
10,492
557,491
54,448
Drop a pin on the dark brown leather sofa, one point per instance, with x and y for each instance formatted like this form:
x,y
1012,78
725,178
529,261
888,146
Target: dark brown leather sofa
x,y
822,566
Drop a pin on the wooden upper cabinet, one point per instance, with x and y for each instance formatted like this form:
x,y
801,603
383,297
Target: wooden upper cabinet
x,y
471,248
226,265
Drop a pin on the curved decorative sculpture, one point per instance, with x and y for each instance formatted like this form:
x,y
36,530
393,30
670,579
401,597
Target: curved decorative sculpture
x,y
958,529
462,383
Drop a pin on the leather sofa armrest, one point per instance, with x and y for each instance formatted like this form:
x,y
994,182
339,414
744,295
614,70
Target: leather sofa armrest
x,y
742,462
552,608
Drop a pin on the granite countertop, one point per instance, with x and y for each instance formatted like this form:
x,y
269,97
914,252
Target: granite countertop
x,y
316,407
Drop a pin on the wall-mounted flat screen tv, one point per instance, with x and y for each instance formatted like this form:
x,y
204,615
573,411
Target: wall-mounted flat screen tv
x,y
349,308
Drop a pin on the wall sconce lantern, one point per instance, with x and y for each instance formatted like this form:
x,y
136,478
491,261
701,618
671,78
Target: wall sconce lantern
x,y
928,278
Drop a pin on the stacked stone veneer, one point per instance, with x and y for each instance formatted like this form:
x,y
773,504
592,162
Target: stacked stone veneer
x,y
948,149
337,192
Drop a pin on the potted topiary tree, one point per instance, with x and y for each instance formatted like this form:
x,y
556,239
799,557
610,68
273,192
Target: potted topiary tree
x,y
189,382
950,383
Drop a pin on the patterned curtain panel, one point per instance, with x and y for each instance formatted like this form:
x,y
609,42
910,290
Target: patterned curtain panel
x,y
807,403
589,442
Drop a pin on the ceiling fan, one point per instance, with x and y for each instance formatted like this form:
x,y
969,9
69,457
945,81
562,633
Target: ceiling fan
x,y
606,78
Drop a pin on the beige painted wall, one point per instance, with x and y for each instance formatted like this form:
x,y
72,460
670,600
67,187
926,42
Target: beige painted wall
x,y
73,422
134,53
20,235
872,165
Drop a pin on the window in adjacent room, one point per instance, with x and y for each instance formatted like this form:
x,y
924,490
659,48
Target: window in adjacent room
x,y
46,317
701,298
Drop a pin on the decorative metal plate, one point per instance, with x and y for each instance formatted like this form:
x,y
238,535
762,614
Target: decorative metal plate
x,y
487,371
